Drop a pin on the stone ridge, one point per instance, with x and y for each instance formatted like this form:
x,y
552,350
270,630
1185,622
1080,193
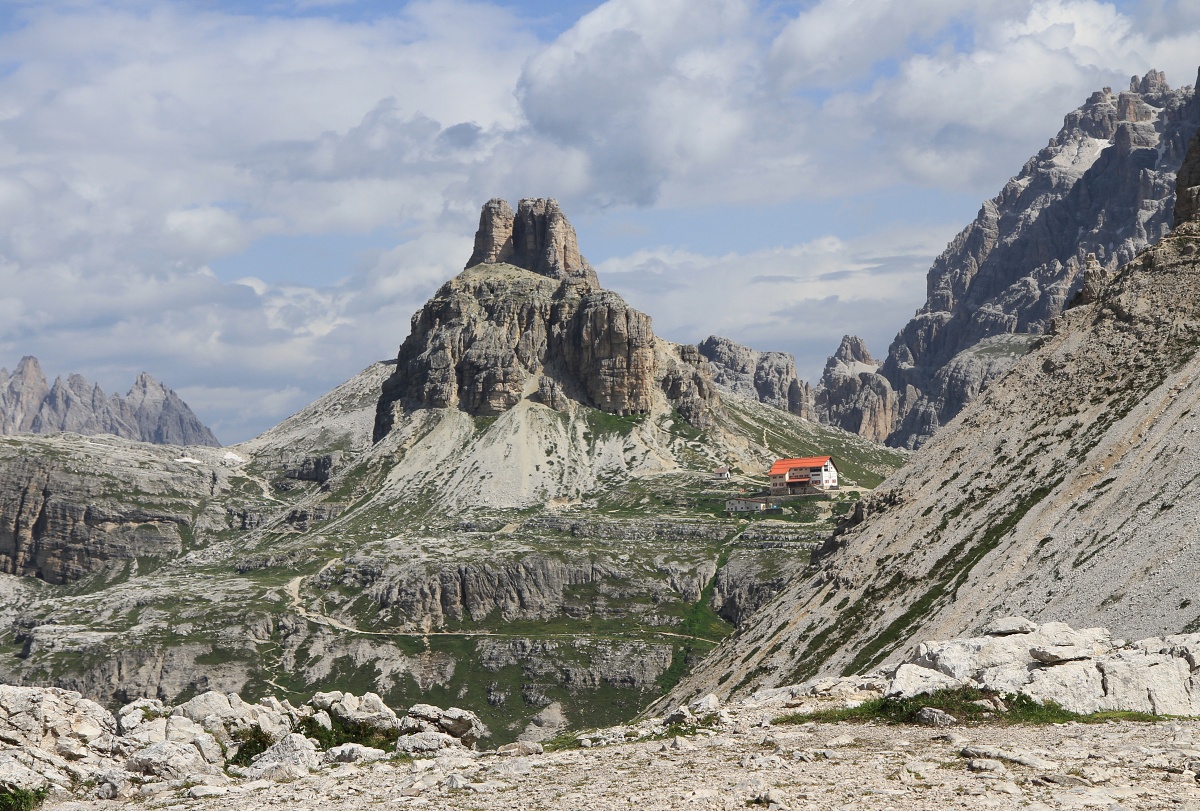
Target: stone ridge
x,y
149,412
537,237
1103,186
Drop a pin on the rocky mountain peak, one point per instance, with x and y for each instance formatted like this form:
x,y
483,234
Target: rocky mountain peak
x,y
150,412
1103,186
1155,81
537,237
527,320
853,350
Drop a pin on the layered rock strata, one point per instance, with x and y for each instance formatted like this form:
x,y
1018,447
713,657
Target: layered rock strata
x,y
1104,186
66,511
149,412
537,237
769,377
527,319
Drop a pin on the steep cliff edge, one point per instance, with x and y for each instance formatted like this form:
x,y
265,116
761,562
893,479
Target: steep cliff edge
x,y
769,377
1066,492
527,320
149,412
1103,186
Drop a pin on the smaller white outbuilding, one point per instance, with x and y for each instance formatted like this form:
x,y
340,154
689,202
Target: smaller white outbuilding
x,y
746,505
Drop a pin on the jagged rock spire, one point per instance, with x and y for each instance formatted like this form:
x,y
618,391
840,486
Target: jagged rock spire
x,y
537,237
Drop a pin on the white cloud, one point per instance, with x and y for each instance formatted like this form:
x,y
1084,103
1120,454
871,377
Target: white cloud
x,y
142,145
799,299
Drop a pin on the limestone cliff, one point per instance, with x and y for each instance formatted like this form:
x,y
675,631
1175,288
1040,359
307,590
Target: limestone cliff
x,y
1067,492
769,377
528,320
149,412
537,237
853,396
1104,186
69,508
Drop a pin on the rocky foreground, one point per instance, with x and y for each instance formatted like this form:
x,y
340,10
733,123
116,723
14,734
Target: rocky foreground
x,y
746,761
761,750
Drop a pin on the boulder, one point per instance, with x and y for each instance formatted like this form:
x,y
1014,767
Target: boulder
x,y
367,710
911,680
16,774
933,717
520,749
426,742
705,705
353,753
293,757
171,761
41,716
462,725
1010,625
223,714
1082,670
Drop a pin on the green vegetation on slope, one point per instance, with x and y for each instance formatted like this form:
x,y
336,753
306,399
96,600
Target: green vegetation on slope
x,y
969,706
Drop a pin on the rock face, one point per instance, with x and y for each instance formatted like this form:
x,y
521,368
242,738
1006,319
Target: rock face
x,y
537,238
853,396
150,412
1187,185
62,521
769,377
1067,493
1104,186
527,319
1083,671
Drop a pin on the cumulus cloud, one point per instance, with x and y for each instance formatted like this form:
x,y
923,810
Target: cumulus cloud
x,y
799,298
148,152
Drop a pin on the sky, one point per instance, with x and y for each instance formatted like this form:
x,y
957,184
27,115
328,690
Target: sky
x,y
249,200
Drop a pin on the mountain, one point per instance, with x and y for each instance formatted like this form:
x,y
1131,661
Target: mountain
x,y
769,377
518,514
149,412
1103,187
1066,491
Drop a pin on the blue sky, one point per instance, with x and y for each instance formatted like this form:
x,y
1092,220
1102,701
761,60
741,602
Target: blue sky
x,y
250,199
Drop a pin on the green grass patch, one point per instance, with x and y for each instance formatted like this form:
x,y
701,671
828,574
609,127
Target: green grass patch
x,y
252,741
601,423
962,704
343,731
22,799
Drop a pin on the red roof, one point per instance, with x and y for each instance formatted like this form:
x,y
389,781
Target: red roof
x,y
782,466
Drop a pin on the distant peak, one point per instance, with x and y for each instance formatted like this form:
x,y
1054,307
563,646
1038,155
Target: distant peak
x,y
853,350
536,237
145,381
1153,83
